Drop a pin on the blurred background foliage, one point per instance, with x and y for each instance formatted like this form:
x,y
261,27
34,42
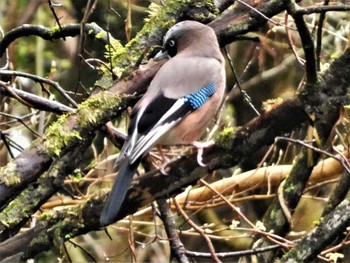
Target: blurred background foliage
x,y
267,69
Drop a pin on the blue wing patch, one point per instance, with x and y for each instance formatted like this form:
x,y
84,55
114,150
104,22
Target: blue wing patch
x,y
154,121
198,98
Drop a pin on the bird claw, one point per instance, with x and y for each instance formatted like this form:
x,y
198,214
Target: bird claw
x,y
166,161
200,147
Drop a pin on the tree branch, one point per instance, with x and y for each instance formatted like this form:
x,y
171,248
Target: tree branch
x,y
72,30
230,149
35,101
321,236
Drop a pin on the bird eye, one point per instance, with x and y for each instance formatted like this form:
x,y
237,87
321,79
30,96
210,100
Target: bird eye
x,y
171,43
171,47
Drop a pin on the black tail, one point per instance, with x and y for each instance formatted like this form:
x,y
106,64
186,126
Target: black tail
x,y
118,192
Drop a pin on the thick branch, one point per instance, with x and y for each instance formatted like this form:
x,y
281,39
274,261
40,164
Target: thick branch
x,y
326,111
307,43
46,33
37,102
320,237
231,148
71,132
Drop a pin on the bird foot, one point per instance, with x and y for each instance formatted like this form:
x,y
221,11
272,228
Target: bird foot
x,y
161,168
200,147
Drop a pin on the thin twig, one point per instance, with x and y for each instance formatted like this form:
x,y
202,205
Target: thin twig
x,y
344,162
258,12
307,42
47,33
109,46
321,9
3,138
290,42
243,92
176,246
41,80
270,236
83,249
283,204
319,35
15,95
6,66
199,230
37,102
234,253
52,8
90,7
20,119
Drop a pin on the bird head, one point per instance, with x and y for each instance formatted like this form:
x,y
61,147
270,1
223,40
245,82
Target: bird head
x,y
188,37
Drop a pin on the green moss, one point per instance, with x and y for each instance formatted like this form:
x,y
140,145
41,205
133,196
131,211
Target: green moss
x,y
40,239
226,138
63,230
101,34
17,210
68,236
57,136
316,222
45,216
273,215
13,213
159,20
9,174
89,111
106,81
77,176
290,188
54,30
276,219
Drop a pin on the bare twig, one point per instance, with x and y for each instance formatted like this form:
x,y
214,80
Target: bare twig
x,y
321,9
3,138
319,35
20,119
41,80
270,236
15,95
307,42
52,8
199,230
284,205
50,33
290,42
341,160
176,246
34,101
246,97
90,7
234,253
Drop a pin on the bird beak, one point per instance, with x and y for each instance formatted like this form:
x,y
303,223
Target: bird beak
x,y
161,55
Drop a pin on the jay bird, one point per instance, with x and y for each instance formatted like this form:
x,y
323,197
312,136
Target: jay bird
x,y
179,104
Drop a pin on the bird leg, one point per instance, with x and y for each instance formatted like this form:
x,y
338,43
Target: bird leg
x,y
165,161
200,147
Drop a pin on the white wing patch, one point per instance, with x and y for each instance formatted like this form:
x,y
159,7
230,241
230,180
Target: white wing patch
x,y
140,145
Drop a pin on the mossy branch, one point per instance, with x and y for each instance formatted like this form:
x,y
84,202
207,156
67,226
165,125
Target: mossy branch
x,y
326,112
63,142
75,131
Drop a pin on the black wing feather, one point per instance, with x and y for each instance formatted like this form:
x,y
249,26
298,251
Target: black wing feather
x,y
153,112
